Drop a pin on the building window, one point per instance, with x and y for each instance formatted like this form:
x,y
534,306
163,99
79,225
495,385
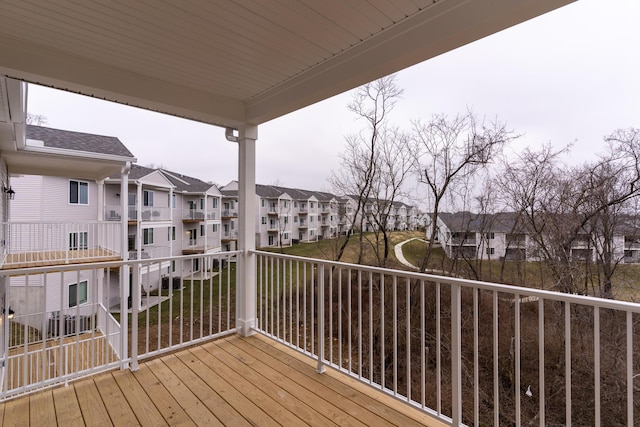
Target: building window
x,y
202,229
147,236
215,228
264,220
286,204
173,266
311,205
233,225
490,236
262,202
78,240
77,293
173,201
286,220
147,198
172,233
295,219
78,192
215,203
491,251
286,236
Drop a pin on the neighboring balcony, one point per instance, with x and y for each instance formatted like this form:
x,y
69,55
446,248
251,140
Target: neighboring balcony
x,y
197,215
151,251
36,244
147,213
229,213
201,244
228,236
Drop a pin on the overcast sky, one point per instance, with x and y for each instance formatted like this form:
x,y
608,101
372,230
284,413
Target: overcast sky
x,y
570,76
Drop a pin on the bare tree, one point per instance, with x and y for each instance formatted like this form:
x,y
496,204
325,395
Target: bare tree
x,y
571,213
450,150
360,161
393,165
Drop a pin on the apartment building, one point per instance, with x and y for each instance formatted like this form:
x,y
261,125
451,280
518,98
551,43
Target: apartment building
x,y
501,235
55,217
168,214
291,215
66,218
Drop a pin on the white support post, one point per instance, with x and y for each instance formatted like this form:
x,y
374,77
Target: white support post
x,y
124,271
246,264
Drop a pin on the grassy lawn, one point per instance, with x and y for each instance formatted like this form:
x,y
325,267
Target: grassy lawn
x,y
198,309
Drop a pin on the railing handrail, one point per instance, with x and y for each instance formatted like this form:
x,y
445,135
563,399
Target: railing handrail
x,y
98,265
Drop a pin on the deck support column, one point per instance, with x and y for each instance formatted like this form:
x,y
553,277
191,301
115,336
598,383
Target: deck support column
x,y
124,270
246,264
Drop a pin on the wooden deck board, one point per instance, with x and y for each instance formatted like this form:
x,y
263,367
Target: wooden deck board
x,y
233,381
168,407
67,407
40,409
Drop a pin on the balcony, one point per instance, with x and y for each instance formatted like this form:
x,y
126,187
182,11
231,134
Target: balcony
x,y
155,213
228,236
433,350
42,244
201,244
229,213
150,252
197,215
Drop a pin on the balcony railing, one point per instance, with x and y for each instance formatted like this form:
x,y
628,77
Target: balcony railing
x,y
155,213
230,213
151,251
51,344
31,244
198,215
463,351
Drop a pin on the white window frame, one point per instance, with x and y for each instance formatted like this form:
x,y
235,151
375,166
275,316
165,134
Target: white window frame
x,y
78,192
78,294
147,198
147,236
78,240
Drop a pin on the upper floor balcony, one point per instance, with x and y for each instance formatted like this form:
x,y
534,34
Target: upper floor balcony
x,y
147,213
197,215
229,213
34,244
201,244
434,350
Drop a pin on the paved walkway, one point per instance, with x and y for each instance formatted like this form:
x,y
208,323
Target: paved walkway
x,y
400,256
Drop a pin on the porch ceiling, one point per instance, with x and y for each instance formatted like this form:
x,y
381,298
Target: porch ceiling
x,y
234,62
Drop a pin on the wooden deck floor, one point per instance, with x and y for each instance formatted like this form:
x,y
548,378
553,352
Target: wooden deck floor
x,y
234,381
49,258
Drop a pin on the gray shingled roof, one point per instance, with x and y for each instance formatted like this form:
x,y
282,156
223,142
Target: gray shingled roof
x,y
78,141
502,222
186,183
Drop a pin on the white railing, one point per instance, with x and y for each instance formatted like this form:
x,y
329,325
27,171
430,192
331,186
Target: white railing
x,y
465,352
37,244
49,343
112,213
151,251
155,213
198,214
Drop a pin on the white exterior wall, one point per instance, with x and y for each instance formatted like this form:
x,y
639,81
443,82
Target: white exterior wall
x,y
46,199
